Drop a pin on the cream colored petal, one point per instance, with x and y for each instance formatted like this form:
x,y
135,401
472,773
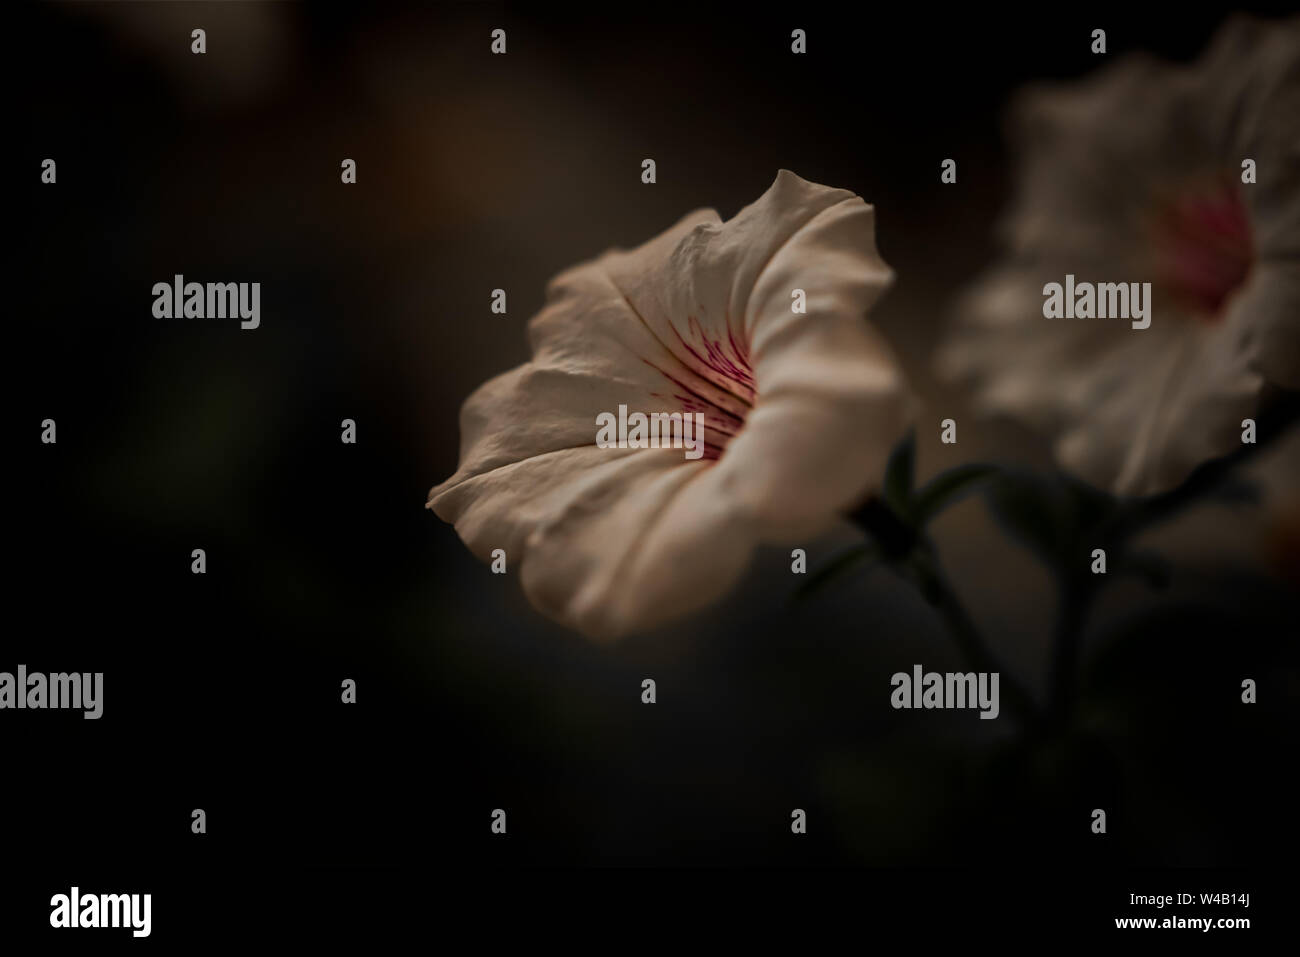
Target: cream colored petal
x,y
724,282
603,315
640,549
1046,372
1188,411
1247,86
606,541
1132,410
1092,154
591,353
1265,316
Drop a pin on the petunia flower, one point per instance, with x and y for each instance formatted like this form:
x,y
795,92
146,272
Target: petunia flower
x,y
1136,175
801,409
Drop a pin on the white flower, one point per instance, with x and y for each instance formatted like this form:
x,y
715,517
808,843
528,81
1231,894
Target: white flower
x,y
801,411
1135,175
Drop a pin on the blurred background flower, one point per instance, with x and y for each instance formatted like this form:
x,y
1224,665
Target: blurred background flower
x,y
1135,174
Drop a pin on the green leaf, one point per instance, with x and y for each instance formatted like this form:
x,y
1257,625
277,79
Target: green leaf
x,y
1031,509
1150,566
891,534
946,488
1059,518
1237,490
835,568
1090,507
899,474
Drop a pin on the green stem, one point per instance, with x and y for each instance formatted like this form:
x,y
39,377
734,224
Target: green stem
x,y
916,554
939,592
1071,613
1139,514
1078,591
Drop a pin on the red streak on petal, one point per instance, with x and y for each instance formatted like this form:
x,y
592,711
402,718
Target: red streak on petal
x,y
723,364
1204,247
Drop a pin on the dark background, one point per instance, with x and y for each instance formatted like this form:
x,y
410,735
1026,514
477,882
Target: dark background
x,y
478,171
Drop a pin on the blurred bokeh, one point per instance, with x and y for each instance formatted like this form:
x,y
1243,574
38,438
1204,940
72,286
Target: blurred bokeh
x,y
476,172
